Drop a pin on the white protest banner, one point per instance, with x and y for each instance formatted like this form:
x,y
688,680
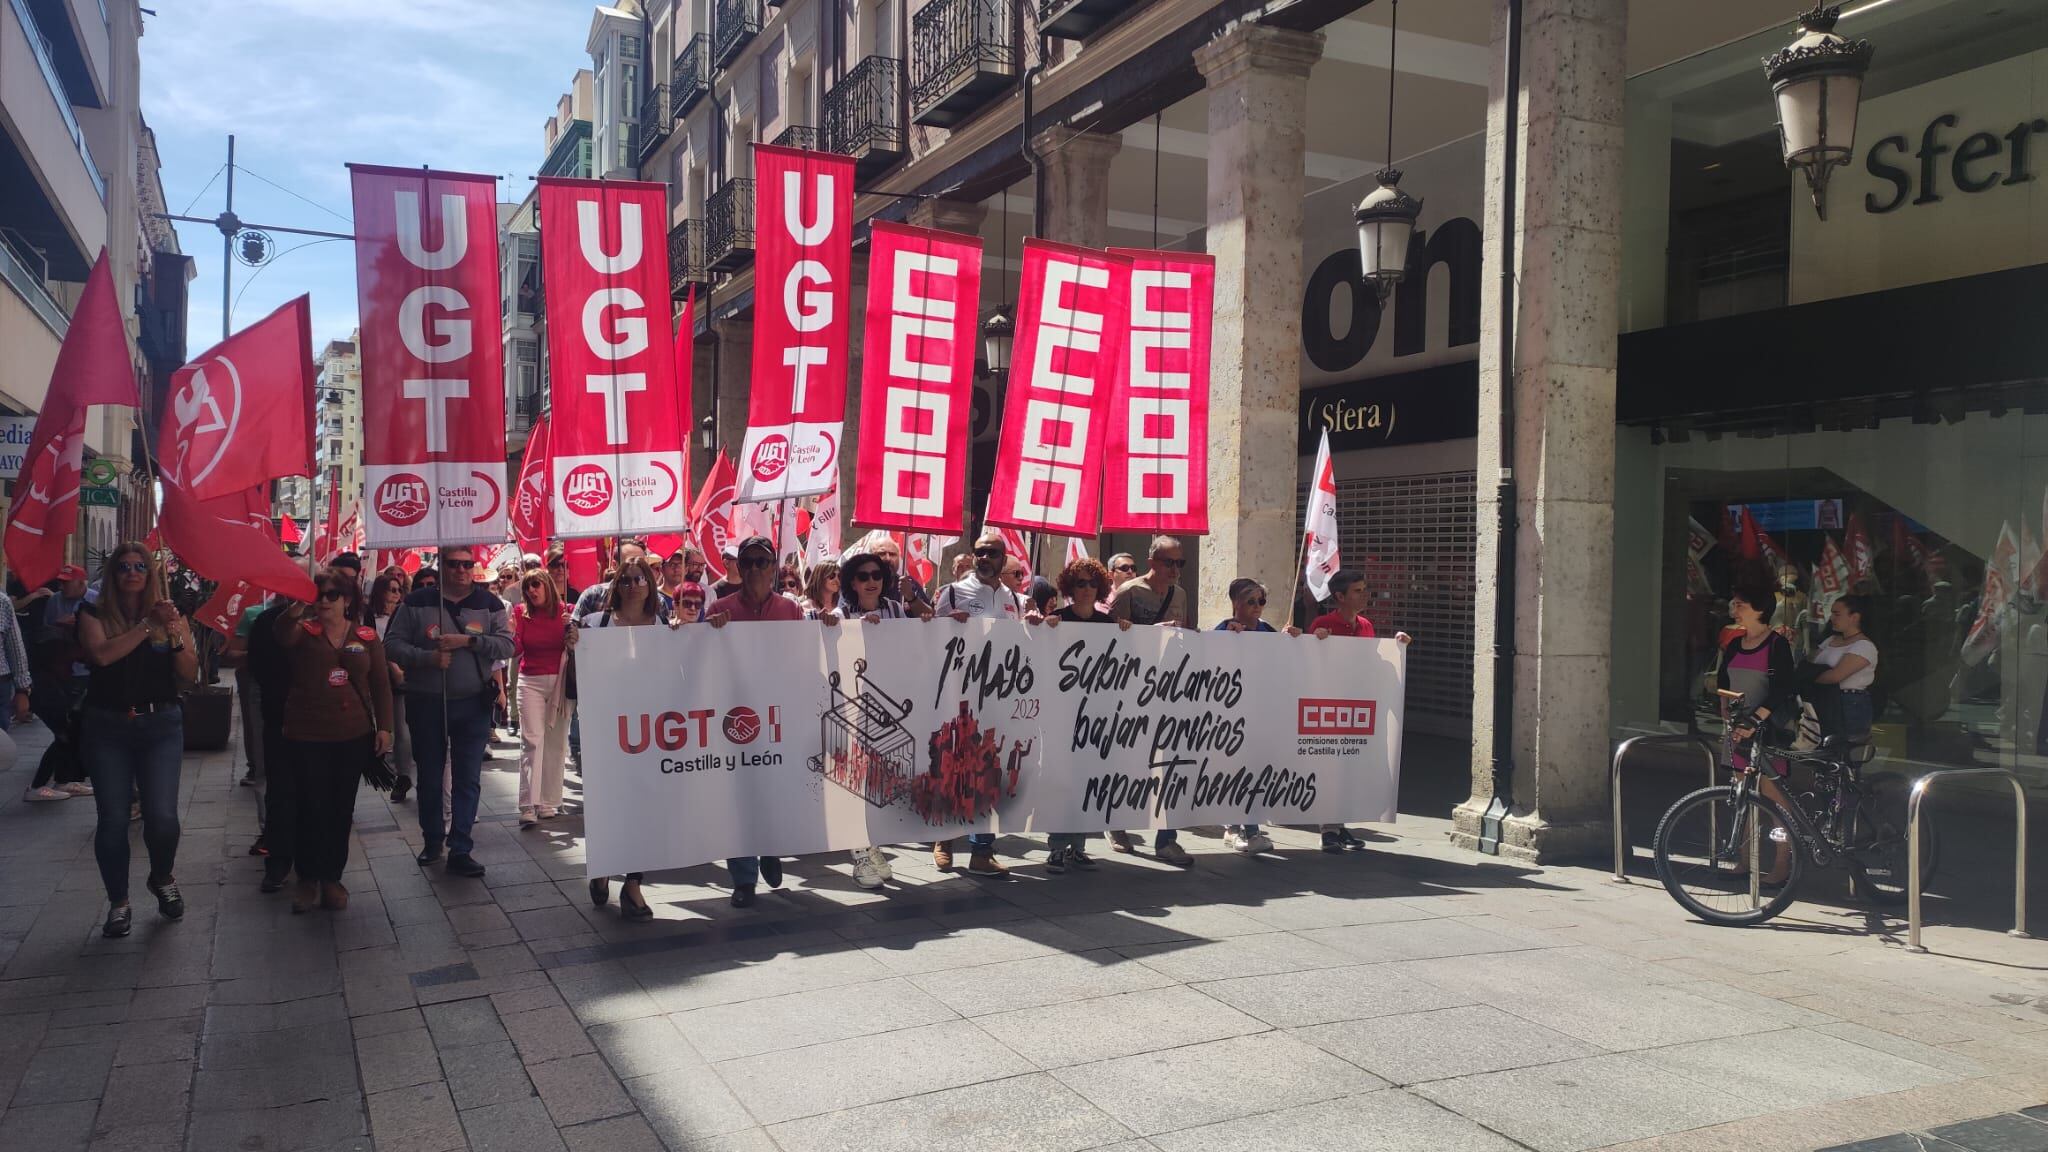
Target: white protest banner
x,y
790,738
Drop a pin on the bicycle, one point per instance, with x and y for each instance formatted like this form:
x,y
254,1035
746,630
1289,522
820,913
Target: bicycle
x,y
1714,846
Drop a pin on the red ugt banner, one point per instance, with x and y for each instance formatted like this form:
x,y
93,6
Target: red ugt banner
x,y
616,435
1157,474
917,379
1073,309
433,364
803,272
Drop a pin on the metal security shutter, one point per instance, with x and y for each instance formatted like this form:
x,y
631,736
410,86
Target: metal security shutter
x,y
1414,537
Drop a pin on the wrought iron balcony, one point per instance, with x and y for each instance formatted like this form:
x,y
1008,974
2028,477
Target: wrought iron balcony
x,y
729,226
963,55
1078,19
864,115
656,121
690,80
686,259
736,25
529,405
799,136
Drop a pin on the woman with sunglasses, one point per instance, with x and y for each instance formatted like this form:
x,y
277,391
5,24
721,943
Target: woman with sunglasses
x,y
138,648
336,718
821,591
789,584
867,587
1085,585
1247,614
633,601
540,636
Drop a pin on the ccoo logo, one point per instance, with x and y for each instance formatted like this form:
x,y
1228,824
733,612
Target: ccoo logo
x,y
771,457
402,499
587,490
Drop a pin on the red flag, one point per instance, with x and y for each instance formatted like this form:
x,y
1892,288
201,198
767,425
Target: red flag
x,y
2000,577
223,613
1073,311
288,531
1156,457
433,361
917,557
923,287
711,518
803,265
239,413
1321,555
92,367
1861,552
533,516
1077,550
586,567
217,539
617,462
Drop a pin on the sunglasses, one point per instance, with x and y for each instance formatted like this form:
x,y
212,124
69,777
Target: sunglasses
x,y
1125,568
1164,562
750,563
690,602
865,575
332,593
636,580
790,586
1258,603
992,552
131,568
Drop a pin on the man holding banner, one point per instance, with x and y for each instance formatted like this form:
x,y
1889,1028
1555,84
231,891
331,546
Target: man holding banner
x,y
756,600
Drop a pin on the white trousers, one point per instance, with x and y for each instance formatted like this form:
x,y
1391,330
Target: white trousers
x,y
544,742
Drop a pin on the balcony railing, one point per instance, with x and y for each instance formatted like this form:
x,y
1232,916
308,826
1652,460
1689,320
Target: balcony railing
x,y
864,115
737,23
729,226
690,80
1078,19
799,136
687,263
963,54
657,120
40,48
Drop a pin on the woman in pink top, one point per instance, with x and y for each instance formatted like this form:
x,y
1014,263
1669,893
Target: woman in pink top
x,y
539,637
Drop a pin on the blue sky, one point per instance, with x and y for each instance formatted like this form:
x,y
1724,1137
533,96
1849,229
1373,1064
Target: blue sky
x,y
307,86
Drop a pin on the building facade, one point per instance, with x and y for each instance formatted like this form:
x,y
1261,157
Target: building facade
x,y
338,424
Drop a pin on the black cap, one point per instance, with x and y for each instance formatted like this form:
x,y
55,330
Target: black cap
x,y
761,542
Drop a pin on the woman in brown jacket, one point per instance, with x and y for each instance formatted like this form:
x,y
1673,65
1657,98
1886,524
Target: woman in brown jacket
x,y
337,716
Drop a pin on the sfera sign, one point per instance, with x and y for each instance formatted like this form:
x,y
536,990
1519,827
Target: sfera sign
x,y
1976,163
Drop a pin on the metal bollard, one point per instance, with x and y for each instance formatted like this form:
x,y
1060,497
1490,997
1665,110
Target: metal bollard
x,y
1614,785
2019,878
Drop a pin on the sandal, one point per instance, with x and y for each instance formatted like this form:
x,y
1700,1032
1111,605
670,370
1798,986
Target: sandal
x,y
600,891
631,905
120,918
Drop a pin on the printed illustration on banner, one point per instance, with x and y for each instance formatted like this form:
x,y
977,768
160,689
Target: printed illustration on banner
x,y
207,410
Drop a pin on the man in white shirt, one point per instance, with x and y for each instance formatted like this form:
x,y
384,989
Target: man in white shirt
x,y
980,593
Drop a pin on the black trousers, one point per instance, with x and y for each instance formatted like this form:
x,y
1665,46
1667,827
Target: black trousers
x,y
325,775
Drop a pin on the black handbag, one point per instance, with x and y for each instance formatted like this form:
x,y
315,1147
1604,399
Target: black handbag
x,y
377,770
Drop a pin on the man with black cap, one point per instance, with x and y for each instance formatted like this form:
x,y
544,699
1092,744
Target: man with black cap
x,y
754,566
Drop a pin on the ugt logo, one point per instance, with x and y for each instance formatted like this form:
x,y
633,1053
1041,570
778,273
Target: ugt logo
x,y
587,490
771,457
402,499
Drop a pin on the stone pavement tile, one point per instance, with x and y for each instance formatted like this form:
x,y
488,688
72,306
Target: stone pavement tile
x,y
275,989
688,1105
155,1047
603,993
1208,1083
1897,1142
617,1134
729,1031
142,1093
381,993
274,1048
168,1003
1586,1103
800,1082
1325,995
644,1046
521,1126
1437,1045
412,910
1324,910
315,1076
2010,1132
502,959
384,1023
547,1034
462,1022
398,1060
1266,955
485,1074
1142,925
681,986
541,923
514,875
477,918
579,1089
1794,1067
1022,1112
909,955
541,995
47,1127
1385,1121
1417,939
1055,979
162,1136
1084,1031
527,897
57,1075
420,1118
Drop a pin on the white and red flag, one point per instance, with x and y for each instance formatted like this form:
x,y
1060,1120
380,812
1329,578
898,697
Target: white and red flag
x,y
918,550
241,413
1862,554
1073,311
822,536
1014,542
618,441
93,367
2001,580
433,360
1077,550
1320,559
917,377
1156,458
532,502
1831,577
711,517
803,274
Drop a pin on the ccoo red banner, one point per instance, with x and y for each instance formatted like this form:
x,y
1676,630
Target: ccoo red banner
x,y
433,364
616,428
1073,311
803,272
1156,459
917,378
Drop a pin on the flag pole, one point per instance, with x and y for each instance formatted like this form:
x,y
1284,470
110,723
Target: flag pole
x,y
1300,561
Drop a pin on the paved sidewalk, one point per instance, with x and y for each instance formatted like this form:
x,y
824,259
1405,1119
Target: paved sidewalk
x,y
1408,997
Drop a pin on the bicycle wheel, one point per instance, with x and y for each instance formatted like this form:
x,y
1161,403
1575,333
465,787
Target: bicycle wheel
x,y
1705,855
1877,850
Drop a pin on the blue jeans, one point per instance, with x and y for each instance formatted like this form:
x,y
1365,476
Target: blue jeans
x,y
6,702
126,756
744,870
1165,836
448,739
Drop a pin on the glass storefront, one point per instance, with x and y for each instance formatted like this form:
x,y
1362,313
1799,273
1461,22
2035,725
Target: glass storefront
x,y
1822,405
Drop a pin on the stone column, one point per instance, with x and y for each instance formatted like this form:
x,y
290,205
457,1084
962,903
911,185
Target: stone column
x,y
1258,103
1567,249
735,373
1076,184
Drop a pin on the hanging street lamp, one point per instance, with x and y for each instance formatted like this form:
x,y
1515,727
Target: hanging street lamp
x,y
1817,81
1386,217
996,333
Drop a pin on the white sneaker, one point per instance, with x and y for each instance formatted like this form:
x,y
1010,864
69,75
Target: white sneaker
x,y
881,862
75,788
32,795
1261,842
1237,842
865,873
